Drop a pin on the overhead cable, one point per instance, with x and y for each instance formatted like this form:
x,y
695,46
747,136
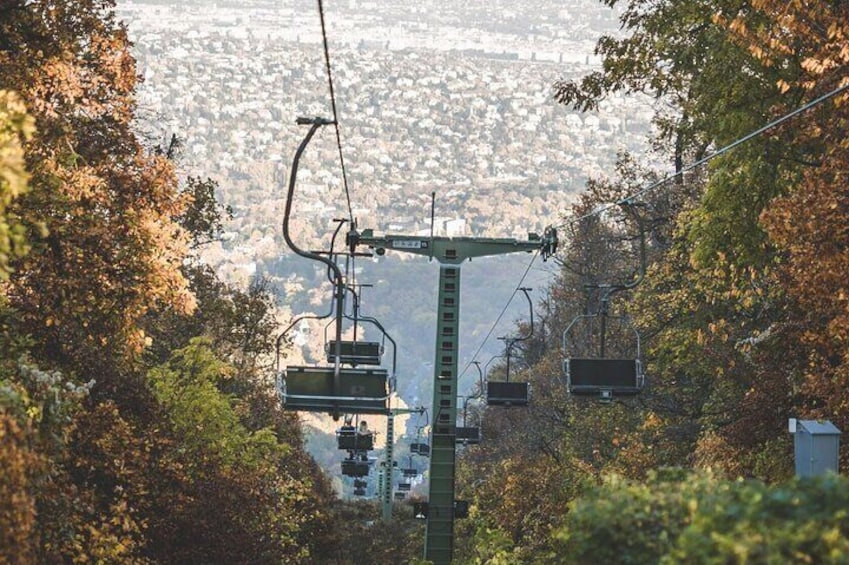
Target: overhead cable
x,y
702,161
335,114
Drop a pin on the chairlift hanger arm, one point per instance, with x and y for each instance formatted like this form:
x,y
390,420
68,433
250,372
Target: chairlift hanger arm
x,y
607,290
314,124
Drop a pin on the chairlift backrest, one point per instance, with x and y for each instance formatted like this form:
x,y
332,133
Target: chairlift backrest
x,y
501,393
604,377
312,389
589,373
355,352
468,435
354,468
348,438
420,448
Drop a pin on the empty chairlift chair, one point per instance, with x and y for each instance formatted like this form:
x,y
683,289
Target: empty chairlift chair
x,y
410,471
468,435
355,352
420,448
314,389
506,393
355,468
603,375
601,351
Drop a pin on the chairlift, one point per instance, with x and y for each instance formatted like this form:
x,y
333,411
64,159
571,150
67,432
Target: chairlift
x,y
359,492
355,468
506,393
358,352
410,471
596,371
400,495
354,440
324,389
420,446
334,389
468,435
405,487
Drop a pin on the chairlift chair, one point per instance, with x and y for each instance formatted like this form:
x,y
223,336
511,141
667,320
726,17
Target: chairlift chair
x,y
355,352
420,448
355,468
603,376
333,389
507,393
348,438
311,389
468,435
405,487
592,370
400,495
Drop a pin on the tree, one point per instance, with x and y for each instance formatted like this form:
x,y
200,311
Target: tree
x,y
112,249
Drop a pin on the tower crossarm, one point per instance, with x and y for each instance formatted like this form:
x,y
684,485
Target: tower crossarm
x,y
454,250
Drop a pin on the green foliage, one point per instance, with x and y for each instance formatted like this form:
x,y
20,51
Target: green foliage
x,y
16,126
676,517
362,537
202,218
189,388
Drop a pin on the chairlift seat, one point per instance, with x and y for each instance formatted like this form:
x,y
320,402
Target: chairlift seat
x,y
499,393
604,377
355,352
410,472
353,441
354,468
361,391
400,495
468,435
359,491
419,448
404,486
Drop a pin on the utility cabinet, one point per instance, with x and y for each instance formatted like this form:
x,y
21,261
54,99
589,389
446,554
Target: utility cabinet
x,y
816,446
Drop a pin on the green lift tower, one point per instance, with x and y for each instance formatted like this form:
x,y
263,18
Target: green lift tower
x,y
450,253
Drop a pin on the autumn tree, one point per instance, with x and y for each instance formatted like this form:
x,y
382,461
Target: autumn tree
x,y
117,469
807,223
713,303
100,210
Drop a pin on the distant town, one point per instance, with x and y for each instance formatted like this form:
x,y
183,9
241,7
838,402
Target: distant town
x,y
431,97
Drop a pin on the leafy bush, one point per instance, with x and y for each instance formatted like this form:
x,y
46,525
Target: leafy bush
x,y
676,517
